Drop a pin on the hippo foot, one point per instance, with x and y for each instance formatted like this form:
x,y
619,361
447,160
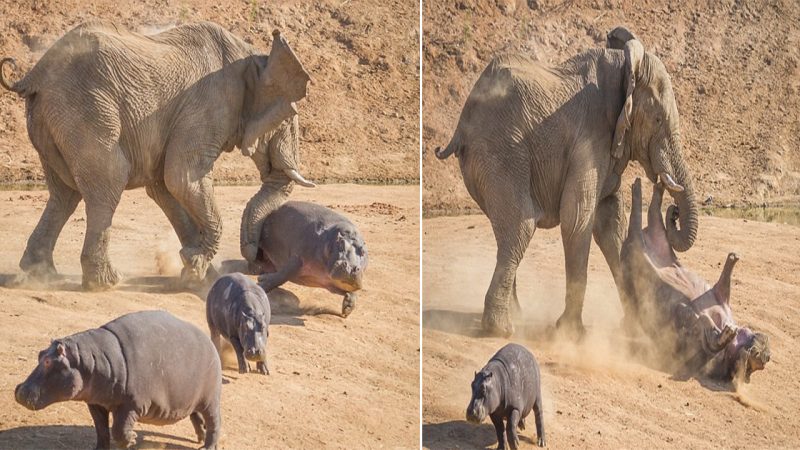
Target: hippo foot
x,y
244,368
348,304
262,368
571,326
541,442
100,278
497,323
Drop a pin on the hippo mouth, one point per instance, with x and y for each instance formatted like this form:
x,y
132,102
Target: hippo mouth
x,y
476,414
346,279
254,354
28,398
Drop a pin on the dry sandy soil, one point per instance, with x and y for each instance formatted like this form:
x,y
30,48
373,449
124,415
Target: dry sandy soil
x,y
334,383
360,121
735,69
596,395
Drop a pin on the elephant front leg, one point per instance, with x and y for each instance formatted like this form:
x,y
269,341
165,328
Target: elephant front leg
x,y
608,231
178,217
576,235
188,179
37,260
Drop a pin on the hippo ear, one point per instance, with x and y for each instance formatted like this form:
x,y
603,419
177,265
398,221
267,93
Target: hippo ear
x,y
60,350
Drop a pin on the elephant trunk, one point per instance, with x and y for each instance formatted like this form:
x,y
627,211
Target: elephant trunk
x,y
670,167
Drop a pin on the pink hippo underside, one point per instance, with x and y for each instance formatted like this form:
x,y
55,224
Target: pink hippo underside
x,y
689,320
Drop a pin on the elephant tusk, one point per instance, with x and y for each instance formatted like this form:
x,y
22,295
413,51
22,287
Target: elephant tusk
x,y
297,178
669,182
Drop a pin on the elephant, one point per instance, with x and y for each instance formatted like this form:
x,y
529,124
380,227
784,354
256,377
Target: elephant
x,y
540,146
109,110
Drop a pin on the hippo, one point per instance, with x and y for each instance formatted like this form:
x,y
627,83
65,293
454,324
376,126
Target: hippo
x,y
238,309
314,246
507,388
145,366
688,319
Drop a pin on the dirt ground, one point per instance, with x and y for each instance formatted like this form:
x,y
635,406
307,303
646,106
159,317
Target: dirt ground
x,y
595,394
734,65
334,383
359,122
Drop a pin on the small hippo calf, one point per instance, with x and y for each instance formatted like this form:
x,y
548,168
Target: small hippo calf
x,y
146,366
508,388
314,246
238,309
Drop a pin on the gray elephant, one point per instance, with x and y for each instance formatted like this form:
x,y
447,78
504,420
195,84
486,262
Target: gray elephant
x,y
110,110
541,145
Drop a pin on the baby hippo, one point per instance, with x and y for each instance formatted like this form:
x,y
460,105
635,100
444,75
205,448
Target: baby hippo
x,y
508,388
238,309
146,366
312,245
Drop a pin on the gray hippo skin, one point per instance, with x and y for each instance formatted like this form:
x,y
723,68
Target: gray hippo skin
x,y
314,246
507,388
238,309
148,366
685,316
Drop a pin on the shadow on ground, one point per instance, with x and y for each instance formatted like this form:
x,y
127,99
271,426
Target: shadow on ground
x,y
73,436
458,434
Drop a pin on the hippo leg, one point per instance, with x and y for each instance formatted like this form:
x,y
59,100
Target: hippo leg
x,y
349,303
511,429
497,420
261,366
538,415
122,428
270,281
213,422
100,417
199,426
244,366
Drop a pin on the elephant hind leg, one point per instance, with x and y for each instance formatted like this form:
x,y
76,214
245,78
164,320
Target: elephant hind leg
x,y
513,227
101,182
38,257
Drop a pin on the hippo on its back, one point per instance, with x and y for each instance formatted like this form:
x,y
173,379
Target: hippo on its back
x,y
685,316
146,366
314,246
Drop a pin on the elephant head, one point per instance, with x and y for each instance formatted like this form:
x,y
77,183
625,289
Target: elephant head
x,y
648,130
270,135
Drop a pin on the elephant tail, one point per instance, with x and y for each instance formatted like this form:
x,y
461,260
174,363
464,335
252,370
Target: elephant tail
x,y
453,147
3,82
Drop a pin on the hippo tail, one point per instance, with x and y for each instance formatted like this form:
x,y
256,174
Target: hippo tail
x,y
722,290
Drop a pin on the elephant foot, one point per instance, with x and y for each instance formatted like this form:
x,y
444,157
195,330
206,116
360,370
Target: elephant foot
x,y
348,304
195,266
497,322
40,269
100,278
571,325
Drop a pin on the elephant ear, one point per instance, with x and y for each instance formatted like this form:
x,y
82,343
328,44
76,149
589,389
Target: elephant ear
x,y
634,52
282,83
